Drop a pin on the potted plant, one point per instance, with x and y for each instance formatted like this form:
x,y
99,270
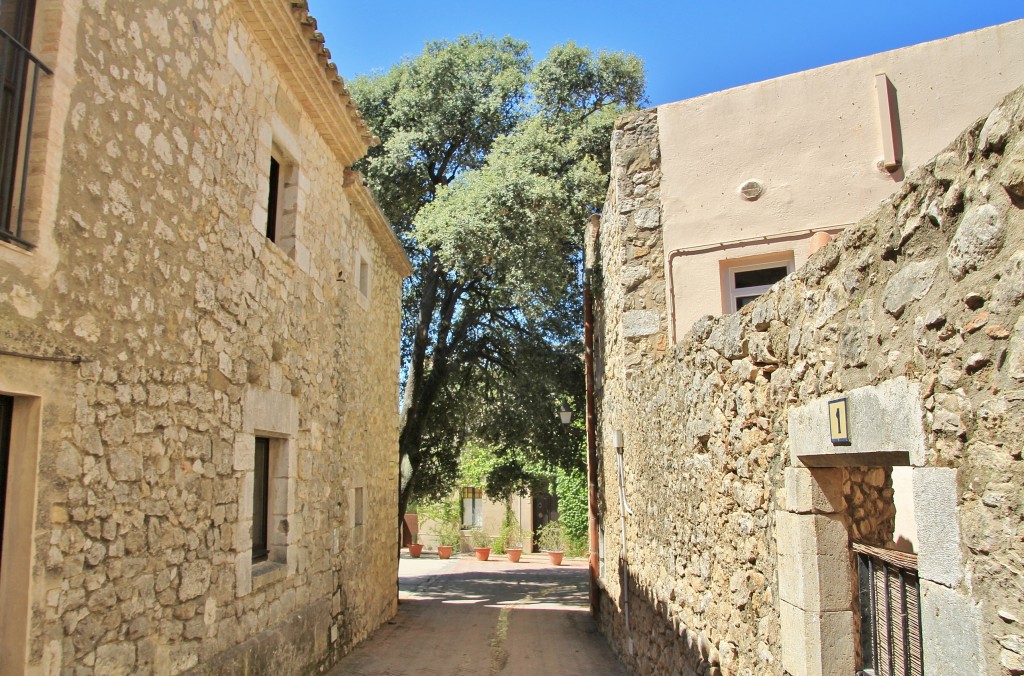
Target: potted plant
x,y
512,538
415,548
444,517
450,537
481,542
553,540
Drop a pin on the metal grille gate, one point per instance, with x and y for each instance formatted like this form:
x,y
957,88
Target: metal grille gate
x,y
890,610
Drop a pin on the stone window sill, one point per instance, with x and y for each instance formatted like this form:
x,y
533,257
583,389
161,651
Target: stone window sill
x,y
267,572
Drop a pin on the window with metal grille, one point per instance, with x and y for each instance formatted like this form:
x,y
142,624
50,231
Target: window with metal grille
x,y
20,72
890,612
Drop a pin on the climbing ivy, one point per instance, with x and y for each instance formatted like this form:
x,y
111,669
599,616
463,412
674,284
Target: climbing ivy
x,y
571,489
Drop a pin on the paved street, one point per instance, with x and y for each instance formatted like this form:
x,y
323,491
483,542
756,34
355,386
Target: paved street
x,y
464,616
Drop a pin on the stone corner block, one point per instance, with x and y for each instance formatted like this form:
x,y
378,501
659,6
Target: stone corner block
x,y
811,534
243,573
939,557
814,491
638,323
816,644
951,631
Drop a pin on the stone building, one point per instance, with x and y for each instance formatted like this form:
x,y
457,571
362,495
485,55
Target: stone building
x,y
743,530
199,344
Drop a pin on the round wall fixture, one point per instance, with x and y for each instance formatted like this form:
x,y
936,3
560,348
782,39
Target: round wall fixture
x,y
751,190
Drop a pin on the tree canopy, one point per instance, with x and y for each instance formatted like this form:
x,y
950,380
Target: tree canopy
x,y
489,167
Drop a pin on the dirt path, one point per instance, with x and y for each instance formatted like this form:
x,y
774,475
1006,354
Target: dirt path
x,y
469,617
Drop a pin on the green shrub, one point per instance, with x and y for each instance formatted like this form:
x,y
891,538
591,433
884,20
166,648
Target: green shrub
x,y
479,539
553,537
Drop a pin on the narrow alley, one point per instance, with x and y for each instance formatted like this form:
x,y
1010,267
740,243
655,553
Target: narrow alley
x,y
464,616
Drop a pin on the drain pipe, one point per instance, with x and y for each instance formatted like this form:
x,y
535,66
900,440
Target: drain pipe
x,y
623,511
588,360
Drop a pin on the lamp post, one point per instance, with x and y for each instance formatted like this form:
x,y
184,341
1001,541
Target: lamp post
x,y
565,415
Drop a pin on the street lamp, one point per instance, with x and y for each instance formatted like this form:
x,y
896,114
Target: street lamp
x,y
564,414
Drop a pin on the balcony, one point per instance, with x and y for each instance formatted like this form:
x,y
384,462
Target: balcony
x,y
21,72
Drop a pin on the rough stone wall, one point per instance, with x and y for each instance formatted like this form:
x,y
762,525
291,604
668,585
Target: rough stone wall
x,y
928,287
181,309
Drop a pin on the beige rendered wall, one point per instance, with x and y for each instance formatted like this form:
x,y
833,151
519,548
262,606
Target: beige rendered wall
x,y
814,140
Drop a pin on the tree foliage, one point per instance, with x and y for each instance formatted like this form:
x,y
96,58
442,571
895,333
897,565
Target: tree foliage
x,y
488,168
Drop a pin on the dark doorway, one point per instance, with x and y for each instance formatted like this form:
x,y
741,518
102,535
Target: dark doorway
x,y
6,415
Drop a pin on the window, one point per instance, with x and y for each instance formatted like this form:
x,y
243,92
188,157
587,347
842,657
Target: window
x,y
261,500
282,200
472,508
745,282
6,416
890,612
273,199
358,507
20,71
364,277
357,514
266,466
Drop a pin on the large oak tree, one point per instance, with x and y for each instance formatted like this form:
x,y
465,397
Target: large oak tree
x,y
489,167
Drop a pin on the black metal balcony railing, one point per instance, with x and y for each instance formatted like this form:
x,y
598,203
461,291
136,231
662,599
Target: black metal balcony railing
x,y
20,70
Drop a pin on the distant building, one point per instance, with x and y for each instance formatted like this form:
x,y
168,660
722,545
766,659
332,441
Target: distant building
x,y
199,344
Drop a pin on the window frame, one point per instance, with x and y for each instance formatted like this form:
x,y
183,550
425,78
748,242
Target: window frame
x,y
6,423
732,293
21,92
261,500
273,198
475,496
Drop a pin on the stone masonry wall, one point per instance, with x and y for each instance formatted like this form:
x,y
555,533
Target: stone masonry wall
x,y
185,314
927,288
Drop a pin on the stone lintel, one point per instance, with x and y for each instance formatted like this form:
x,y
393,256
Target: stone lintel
x,y
886,427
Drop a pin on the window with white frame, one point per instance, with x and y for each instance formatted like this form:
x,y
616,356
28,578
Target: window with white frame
x,y
745,280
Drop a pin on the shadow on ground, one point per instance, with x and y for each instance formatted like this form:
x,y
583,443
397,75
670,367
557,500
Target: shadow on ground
x,y
485,618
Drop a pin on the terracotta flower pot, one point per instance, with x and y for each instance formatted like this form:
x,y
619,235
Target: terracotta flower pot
x,y
514,554
444,551
415,550
556,558
482,553
817,241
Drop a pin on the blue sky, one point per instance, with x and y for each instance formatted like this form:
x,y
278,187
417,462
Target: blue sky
x,y
689,47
